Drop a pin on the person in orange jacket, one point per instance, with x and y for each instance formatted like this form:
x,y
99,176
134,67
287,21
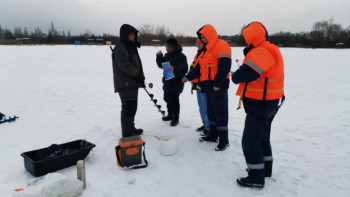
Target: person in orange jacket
x,y
260,80
201,96
213,72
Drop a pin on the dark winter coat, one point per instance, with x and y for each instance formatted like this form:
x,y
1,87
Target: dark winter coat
x,y
179,61
127,66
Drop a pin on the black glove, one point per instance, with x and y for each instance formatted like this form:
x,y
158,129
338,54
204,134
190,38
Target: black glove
x,y
140,77
247,49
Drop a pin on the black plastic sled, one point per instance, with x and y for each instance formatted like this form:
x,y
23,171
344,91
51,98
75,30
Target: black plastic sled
x,y
56,157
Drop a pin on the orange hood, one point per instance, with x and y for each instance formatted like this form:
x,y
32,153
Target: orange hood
x,y
209,32
255,34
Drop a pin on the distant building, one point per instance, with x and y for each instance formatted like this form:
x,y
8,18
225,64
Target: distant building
x,y
23,41
91,41
156,42
77,42
340,45
99,41
108,42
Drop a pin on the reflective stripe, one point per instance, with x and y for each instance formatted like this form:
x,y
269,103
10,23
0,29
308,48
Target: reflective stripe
x,y
256,166
255,67
224,55
222,129
268,158
262,90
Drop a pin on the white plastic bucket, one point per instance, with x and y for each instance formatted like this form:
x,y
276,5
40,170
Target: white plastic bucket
x,y
168,145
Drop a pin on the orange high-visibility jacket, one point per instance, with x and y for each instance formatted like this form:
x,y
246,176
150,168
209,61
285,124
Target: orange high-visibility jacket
x,y
195,61
216,48
266,59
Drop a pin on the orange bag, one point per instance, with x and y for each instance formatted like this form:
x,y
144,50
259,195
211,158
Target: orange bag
x,y
129,152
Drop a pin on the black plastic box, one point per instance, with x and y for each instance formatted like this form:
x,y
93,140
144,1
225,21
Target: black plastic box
x,y
40,162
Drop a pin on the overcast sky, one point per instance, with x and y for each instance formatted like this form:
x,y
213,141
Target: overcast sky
x,y
180,16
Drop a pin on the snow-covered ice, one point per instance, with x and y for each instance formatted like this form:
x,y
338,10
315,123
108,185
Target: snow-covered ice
x,y
64,93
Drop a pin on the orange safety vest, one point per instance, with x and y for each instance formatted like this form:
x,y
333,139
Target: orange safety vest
x,y
194,64
195,61
266,59
216,48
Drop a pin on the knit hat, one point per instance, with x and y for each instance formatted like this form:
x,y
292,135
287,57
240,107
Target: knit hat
x,y
172,42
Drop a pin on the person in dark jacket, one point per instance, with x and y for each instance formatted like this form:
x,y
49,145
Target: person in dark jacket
x,y
128,77
173,87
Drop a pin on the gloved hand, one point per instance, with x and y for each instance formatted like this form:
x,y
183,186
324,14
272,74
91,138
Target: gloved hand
x,y
140,77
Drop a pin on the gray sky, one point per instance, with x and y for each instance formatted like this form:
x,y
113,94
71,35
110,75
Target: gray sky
x,y
180,16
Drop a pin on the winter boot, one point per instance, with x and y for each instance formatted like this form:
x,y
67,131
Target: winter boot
x,y
212,135
174,122
138,131
247,182
255,179
221,147
202,128
223,139
168,117
204,133
208,138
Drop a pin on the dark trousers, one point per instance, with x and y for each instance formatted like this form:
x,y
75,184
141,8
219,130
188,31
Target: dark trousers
x,y
173,103
256,137
217,104
129,107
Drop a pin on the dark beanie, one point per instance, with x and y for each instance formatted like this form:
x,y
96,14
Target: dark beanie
x,y
172,42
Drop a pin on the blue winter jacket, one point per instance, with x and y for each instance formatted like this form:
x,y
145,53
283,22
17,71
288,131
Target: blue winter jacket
x,y
179,61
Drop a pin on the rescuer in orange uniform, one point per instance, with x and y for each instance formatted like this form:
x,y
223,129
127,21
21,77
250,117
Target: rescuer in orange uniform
x,y
201,96
213,72
260,80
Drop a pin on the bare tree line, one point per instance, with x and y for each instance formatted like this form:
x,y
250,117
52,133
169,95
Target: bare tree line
x,y
324,34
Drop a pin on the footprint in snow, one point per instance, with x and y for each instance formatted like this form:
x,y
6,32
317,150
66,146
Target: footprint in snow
x,y
132,181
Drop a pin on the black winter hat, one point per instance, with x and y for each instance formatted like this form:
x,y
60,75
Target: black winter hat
x,y
172,42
